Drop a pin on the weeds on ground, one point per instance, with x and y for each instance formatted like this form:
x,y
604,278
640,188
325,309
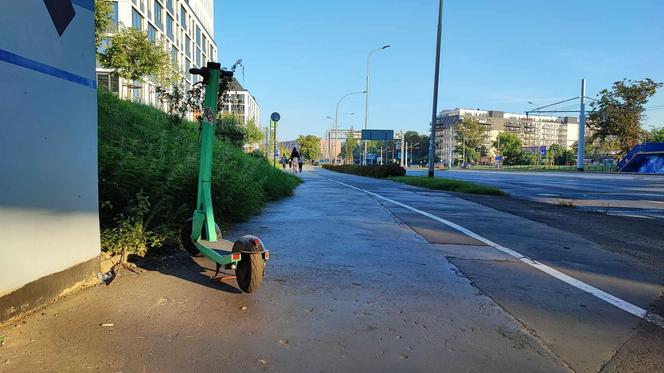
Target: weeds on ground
x,y
565,203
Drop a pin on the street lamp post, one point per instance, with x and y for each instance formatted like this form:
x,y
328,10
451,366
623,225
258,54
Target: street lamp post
x,y
329,137
366,100
336,119
432,139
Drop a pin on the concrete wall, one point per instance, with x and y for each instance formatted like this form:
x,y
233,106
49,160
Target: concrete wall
x,y
49,220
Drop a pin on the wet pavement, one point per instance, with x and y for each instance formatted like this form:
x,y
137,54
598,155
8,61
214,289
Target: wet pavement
x,y
617,194
355,283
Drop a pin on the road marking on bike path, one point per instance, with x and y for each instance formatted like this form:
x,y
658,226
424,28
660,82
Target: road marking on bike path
x,y
587,288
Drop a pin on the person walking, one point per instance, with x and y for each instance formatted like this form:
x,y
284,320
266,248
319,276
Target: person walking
x,y
295,159
300,162
283,161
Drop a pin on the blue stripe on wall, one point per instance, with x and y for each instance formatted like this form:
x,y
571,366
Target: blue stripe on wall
x,y
87,4
45,69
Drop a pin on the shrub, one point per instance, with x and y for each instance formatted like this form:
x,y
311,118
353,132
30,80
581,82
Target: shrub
x,y
376,171
146,156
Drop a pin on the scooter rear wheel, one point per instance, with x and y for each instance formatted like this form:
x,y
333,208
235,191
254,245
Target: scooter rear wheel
x,y
251,269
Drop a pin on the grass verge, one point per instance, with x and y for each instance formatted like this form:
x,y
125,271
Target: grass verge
x,y
448,184
148,177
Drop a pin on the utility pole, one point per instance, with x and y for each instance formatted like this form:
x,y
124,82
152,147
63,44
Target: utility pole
x,y
274,140
432,139
451,140
582,129
366,101
381,156
336,119
406,155
267,142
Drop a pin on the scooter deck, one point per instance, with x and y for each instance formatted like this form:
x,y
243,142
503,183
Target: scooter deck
x,y
223,247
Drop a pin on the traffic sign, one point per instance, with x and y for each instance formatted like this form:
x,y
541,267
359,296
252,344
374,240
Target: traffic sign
x,y
499,158
543,150
275,117
377,135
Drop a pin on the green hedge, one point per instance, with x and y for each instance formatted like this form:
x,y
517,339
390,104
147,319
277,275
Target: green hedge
x,y
148,174
377,171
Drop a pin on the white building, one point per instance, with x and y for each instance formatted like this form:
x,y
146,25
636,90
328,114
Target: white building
x,y
185,27
534,130
240,102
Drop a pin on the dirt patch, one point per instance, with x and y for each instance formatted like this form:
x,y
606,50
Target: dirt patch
x,y
639,239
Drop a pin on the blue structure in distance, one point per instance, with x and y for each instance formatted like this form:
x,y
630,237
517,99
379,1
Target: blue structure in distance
x,y
646,158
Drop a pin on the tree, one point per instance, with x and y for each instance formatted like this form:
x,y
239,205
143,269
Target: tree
x,y
510,146
350,148
254,135
309,146
552,154
230,128
657,135
181,101
419,144
618,112
103,12
133,56
469,136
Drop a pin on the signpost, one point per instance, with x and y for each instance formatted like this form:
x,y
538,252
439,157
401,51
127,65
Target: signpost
x,y
377,135
274,119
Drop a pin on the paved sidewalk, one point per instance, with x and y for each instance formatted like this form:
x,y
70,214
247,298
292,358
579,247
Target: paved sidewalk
x,y
349,287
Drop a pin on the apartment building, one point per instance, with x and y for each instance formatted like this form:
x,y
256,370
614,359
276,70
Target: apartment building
x,y
186,29
534,131
240,102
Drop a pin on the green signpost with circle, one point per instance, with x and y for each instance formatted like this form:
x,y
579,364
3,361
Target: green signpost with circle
x,y
274,119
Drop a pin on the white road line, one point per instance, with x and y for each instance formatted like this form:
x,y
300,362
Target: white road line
x,y
600,294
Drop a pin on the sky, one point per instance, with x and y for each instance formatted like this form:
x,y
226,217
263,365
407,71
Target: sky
x,y
301,56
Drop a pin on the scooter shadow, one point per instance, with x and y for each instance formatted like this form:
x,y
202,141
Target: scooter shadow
x,y
198,270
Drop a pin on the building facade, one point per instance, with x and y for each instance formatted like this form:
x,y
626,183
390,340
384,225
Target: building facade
x,y
184,27
533,130
240,102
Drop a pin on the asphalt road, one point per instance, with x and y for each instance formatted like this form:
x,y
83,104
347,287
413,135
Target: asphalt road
x,y
628,195
364,276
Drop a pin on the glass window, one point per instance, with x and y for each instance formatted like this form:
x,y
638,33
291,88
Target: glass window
x,y
169,5
152,33
174,55
157,15
169,27
187,76
103,45
198,35
198,57
187,48
136,90
114,17
136,20
183,17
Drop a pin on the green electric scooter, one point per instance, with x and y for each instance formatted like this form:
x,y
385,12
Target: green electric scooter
x,y
200,234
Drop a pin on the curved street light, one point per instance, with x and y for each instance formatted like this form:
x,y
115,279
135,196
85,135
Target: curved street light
x,y
336,119
366,102
329,138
